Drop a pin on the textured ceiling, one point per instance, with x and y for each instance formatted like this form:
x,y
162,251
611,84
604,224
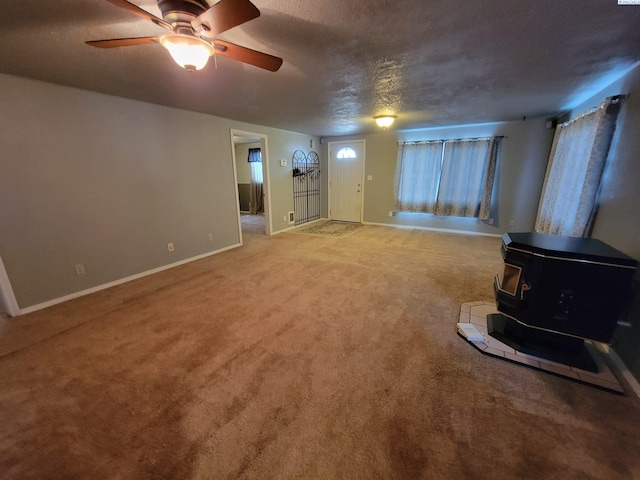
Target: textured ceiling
x,y
431,62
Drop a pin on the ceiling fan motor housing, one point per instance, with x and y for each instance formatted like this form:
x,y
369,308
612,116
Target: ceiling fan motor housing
x,y
180,13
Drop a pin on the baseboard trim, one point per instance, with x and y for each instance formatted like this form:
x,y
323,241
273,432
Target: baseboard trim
x,y
284,230
621,367
88,291
433,229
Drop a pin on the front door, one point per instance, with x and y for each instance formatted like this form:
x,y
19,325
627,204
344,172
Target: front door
x,y
346,166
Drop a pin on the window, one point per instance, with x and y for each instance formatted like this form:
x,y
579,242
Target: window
x,y
417,176
255,159
447,177
578,156
346,152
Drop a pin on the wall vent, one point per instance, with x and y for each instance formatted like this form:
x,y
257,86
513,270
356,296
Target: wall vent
x,y
292,218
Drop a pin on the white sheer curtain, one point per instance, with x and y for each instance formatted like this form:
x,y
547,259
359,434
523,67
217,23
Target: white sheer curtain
x,y
256,203
417,175
468,173
256,172
576,164
447,177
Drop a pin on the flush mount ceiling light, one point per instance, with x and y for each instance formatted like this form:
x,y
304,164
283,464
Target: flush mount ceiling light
x,y
191,53
385,121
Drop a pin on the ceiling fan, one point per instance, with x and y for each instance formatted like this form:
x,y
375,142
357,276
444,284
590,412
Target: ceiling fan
x,y
193,25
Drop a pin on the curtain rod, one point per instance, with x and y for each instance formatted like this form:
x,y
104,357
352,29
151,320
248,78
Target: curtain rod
x,y
609,102
612,100
475,139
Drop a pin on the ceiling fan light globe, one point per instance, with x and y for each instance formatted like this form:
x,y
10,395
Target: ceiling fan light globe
x,y
189,52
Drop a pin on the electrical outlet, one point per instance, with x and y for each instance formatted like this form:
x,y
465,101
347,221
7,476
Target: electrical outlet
x,y
491,221
80,269
390,213
211,237
283,162
170,247
512,223
284,218
369,177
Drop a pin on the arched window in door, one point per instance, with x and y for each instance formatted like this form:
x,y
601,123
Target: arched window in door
x,y
346,152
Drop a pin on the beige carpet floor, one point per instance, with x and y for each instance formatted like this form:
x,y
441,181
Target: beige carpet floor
x,y
297,357
253,224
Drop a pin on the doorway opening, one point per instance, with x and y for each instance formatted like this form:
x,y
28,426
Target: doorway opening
x,y
251,167
8,303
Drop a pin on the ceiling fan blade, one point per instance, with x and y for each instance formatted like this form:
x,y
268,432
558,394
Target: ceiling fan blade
x,y
141,13
224,15
122,42
246,55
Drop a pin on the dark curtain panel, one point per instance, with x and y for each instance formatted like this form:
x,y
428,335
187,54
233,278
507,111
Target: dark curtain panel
x,y
256,198
254,155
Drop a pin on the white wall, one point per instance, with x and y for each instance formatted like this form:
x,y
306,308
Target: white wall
x,y
108,182
522,165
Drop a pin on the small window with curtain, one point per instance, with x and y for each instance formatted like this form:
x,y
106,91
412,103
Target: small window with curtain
x,y
447,177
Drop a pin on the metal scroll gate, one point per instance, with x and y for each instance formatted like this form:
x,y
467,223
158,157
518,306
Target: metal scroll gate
x,y
306,186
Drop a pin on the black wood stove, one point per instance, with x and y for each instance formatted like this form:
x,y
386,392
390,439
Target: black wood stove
x,y
557,291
